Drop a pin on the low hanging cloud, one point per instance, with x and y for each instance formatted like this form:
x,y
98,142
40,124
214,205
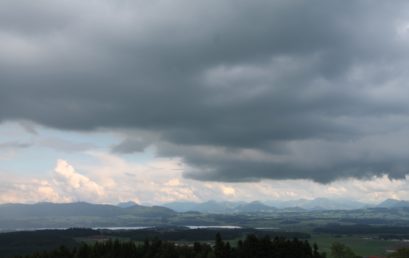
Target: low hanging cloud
x,y
240,90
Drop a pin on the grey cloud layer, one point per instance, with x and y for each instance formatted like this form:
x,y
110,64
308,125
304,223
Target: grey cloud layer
x,y
13,145
241,90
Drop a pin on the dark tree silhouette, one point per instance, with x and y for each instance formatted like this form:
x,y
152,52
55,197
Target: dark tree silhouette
x,y
251,247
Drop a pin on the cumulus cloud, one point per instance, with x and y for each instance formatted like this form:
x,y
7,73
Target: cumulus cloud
x,y
65,184
113,179
29,190
154,181
74,184
240,90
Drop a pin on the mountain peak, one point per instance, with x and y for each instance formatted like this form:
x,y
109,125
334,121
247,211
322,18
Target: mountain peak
x,y
393,203
126,204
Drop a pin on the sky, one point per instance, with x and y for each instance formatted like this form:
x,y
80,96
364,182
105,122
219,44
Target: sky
x,y
179,100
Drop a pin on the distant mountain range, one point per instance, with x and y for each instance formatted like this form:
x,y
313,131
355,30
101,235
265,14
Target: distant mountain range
x,y
320,204
280,206
130,214
130,208
392,203
78,209
79,214
220,207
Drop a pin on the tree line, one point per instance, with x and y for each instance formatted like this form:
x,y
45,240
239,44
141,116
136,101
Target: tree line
x,y
251,247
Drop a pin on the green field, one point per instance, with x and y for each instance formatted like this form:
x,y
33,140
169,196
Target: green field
x,y
362,246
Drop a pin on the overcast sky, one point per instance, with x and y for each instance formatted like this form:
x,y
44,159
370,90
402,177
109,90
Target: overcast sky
x,y
165,100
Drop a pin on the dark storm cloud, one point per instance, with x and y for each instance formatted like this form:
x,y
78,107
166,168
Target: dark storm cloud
x,y
267,85
130,145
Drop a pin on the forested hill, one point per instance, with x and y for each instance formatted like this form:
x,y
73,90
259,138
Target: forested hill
x,y
80,214
78,209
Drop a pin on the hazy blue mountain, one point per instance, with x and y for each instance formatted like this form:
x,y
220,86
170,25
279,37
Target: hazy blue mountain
x,y
80,214
153,211
287,204
217,207
182,206
333,204
126,204
269,206
57,209
205,207
220,207
76,209
393,203
253,207
292,209
320,204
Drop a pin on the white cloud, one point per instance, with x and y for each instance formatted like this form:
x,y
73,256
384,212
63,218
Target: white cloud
x,y
65,185
47,192
173,182
74,184
228,190
112,179
152,181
